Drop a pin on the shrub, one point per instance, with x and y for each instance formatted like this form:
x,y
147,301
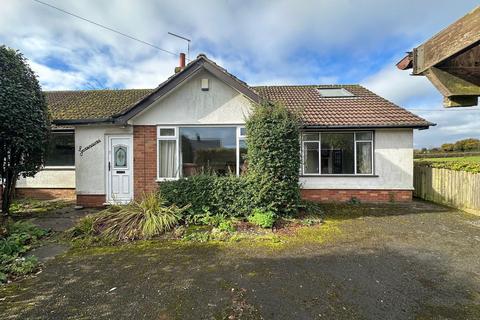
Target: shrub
x,y
209,194
264,219
139,219
18,240
195,191
274,158
226,225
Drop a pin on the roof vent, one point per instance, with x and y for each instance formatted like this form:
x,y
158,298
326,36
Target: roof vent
x,y
335,93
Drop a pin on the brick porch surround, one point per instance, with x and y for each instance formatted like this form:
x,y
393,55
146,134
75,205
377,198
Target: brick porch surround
x,y
344,195
91,200
144,160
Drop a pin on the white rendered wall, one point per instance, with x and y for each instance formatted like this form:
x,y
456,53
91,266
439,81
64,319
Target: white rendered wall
x,y
393,166
90,167
188,104
49,178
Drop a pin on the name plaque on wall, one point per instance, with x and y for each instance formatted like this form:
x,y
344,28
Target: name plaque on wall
x,y
90,146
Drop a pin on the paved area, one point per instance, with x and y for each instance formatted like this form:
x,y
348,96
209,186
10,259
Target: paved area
x,y
417,261
57,220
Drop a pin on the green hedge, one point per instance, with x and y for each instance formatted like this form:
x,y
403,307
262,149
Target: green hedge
x,y
458,165
226,195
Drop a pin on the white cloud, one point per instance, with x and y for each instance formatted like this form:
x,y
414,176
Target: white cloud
x,y
262,42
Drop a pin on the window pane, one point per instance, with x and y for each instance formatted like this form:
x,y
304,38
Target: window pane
x,y
61,149
364,157
243,156
208,149
310,137
364,135
310,157
167,132
243,131
167,153
120,156
337,153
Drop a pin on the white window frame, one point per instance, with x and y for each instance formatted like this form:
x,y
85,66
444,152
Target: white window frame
x,y
177,156
176,138
319,141
239,137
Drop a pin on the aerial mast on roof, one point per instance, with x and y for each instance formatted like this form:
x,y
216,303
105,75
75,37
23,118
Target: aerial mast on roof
x,y
186,39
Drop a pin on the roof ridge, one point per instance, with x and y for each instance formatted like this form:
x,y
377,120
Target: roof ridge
x,y
308,85
98,90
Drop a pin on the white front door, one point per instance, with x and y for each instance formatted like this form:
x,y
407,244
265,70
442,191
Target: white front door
x,y
119,169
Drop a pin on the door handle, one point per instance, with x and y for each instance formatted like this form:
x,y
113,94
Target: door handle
x,y
109,166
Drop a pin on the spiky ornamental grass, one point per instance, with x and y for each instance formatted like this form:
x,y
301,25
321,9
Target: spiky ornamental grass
x,y
141,219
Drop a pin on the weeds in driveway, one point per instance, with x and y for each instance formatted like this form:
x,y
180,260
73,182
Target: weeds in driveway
x,y
20,237
28,206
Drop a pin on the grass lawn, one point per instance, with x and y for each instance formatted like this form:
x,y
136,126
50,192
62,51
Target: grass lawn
x,y
473,159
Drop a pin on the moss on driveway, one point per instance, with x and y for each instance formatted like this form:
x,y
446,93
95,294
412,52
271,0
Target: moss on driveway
x,y
367,262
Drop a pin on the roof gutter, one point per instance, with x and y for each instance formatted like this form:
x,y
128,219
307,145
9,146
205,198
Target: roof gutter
x,y
83,121
410,126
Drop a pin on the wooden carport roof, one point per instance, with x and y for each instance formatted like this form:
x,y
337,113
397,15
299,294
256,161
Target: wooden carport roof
x,y
451,61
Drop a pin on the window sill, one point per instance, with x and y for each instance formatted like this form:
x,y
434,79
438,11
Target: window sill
x,y
339,175
66,168
165,179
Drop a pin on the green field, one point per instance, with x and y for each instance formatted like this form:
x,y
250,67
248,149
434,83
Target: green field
x,y
473,159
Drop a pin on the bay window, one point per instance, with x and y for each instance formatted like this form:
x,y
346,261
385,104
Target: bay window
x,y
189,150
337,153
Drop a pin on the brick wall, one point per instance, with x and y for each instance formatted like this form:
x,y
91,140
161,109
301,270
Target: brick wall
x,y
334,195
91,200
144,160
45,193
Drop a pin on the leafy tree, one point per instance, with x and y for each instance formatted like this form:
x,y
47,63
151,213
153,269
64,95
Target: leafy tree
x,y
24,123
470,144
447,147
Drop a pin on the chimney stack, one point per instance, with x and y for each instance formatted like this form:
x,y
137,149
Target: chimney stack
x,y
182,63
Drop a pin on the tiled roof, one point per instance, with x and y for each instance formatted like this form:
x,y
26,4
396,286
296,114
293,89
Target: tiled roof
x,y
362,110
91,104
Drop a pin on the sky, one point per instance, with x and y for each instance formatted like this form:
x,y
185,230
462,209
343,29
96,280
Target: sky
x,y
261,42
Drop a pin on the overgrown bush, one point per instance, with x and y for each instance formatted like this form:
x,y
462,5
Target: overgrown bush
x,y
264,219
195,191
274,158
271,181
219,195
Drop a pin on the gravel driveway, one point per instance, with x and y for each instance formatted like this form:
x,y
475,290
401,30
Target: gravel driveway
x,y
413,261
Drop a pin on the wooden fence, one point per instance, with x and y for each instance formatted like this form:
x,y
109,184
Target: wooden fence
x,y
458,189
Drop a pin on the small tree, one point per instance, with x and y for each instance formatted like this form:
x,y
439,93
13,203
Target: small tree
x,y
274,158
24,123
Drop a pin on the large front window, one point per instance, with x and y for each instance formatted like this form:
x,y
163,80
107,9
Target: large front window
x,y
61,149
185,151
337,153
